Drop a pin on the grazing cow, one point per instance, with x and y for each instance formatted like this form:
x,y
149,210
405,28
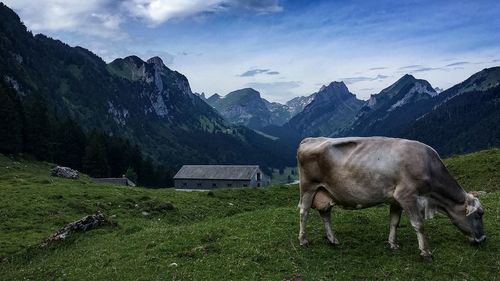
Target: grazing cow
x,y
357,173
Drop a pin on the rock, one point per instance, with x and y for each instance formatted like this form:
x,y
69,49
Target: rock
x,y
64,172
84,224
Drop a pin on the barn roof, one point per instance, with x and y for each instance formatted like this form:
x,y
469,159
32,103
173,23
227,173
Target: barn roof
x,y
217,172
118,181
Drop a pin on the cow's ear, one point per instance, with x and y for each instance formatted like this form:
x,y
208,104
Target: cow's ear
x,y
471,204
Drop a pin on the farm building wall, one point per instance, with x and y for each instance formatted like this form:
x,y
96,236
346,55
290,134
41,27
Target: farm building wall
x,y
256,179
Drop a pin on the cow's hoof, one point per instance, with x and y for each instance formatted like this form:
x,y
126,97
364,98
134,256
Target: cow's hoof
x,y
304,243
427,257
394,247
333,241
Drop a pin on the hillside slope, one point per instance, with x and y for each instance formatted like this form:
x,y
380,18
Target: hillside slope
x,y
467,122
244,234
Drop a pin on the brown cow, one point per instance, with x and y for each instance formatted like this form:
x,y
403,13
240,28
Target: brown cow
x,y
356,173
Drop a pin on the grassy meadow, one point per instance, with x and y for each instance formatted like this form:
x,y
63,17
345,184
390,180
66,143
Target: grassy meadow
x,y
239,234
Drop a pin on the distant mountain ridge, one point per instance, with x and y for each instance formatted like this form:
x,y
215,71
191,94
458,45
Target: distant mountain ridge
x,y
297,104
393,108
247,107
332,108
463,118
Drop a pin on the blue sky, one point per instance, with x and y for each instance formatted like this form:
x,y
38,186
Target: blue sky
x,y
283,48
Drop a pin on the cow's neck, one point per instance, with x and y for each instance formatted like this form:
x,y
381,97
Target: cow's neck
x,y
447,202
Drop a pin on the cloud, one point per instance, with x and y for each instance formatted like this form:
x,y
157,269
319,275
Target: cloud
x,y
458,63
254,72
413,66
378,68
89,17
353,80
160,11
104,18
425,69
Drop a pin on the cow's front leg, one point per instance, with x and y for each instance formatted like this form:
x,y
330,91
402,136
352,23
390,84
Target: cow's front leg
x,y
395,214
418,224
305,204
409,204
302,231
330,235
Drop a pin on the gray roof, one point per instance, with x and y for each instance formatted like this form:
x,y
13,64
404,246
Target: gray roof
x,y
217,172
118,181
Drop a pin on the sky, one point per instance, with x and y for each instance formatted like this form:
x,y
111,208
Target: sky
x,y
283,48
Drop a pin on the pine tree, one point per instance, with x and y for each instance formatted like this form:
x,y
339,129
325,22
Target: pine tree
x,y
70,145
95,162
11,122
37,129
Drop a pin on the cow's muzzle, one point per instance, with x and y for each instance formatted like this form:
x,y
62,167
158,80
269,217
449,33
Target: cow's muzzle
x,y
475,240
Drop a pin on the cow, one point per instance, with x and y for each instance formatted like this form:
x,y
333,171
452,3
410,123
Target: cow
x,y
361,172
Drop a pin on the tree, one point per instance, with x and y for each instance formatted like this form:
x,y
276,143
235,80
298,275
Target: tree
x,y
70,145
131,175
95,162
37,128
11,122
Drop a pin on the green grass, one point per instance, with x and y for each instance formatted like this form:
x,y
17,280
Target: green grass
x,y
244,234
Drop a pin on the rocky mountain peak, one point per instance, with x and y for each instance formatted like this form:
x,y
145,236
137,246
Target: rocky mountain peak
x,y
406,87
334,91
156,61
134,59
243,97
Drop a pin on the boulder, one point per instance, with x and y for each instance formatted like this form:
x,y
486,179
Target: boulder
x,y
64,172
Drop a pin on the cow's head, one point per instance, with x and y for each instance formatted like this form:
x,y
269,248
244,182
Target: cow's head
x,y
469,219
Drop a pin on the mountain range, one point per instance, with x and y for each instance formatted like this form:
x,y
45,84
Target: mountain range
x,y
460,119
457,120
142,101
154,108
246,107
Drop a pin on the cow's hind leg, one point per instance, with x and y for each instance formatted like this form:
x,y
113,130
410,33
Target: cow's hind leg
x,y
395,214
306,199
326,217
323,203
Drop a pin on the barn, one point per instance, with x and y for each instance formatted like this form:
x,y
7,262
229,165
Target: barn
x,y
216,176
